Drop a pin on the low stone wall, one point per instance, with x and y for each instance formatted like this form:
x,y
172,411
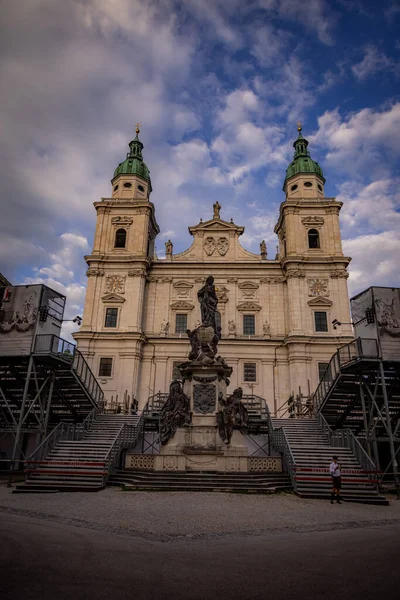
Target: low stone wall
x,y
165,462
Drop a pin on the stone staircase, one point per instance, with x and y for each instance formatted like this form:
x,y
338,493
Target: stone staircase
x,y
249,483
312,453
80,465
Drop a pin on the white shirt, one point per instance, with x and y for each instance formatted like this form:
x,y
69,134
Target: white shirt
x,y
334,469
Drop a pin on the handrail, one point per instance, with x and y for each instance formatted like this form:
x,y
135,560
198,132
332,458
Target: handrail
x,y
122,440
345,438
63,431
53,433
53,344
296,408
281,444
251,401
358,348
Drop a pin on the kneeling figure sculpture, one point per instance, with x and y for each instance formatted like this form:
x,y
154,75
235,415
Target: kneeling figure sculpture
x,y
233,414
175,412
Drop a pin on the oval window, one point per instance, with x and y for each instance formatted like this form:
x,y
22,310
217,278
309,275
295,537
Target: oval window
x,y
115,188
308,184
294,187
140,188
320,187
127,185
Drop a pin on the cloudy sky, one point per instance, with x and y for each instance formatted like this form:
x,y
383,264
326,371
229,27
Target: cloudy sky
x,y
218,86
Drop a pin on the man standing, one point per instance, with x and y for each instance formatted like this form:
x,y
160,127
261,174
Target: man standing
x,y
334,469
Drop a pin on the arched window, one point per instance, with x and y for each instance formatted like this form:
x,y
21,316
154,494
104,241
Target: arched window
x,y
313,238
120,238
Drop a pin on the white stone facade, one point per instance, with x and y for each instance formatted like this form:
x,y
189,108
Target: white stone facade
x,y
277,296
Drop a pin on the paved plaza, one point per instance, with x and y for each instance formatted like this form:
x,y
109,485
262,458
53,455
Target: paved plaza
x,y
116,544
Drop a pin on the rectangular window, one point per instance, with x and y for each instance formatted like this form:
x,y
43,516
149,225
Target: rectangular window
x,y
249,325
249,372
105,367
321,369
176,374
180,323
111,317
321,321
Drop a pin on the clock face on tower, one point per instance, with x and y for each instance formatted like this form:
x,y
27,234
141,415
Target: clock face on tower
x,y
318,287
115,283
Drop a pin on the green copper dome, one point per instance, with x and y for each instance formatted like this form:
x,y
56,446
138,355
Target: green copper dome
x,y
133,164
302,161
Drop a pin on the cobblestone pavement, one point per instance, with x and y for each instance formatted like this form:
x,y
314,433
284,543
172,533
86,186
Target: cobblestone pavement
x,y
195,515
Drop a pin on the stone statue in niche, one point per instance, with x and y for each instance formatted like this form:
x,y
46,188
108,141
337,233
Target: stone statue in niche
x,y
266,329
216,207
263,249
168,248
231,328
164,327
175,412
233,415
207,297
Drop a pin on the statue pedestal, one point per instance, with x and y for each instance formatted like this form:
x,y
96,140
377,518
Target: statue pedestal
x,y
198,445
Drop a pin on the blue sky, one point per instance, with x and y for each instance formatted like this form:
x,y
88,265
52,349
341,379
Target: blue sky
x,y
218,86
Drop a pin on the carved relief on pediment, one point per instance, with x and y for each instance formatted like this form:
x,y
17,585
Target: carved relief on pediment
x,y
248,306
182,289
124,222
313,222
113,299
222,294
320,301
211,244
248,289
182,305
222,245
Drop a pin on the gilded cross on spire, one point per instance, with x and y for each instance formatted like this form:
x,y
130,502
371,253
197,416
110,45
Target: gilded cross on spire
x,y
299,127
137,128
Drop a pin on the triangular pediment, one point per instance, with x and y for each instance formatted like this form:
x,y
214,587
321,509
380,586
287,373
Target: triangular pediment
x,y
251,306
216,225
320,301
248,285
182,305
183,285
113,299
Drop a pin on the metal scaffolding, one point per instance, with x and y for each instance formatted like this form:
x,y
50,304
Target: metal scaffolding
x,y
361,392
51,384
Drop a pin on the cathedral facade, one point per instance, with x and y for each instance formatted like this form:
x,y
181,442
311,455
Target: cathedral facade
x,y
275,313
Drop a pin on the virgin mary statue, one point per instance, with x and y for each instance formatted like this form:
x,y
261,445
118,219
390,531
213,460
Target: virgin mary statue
x,y
208,303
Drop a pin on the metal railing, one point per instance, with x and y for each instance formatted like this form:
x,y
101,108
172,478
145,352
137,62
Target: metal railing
x,y
154,404
126,437
253,403
355,350
345,438
63,431
281,444
256,404
56,346
296,407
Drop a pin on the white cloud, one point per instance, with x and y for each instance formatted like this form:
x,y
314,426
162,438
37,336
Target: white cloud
x,y
315,15
373,207
364,144
374,62
375,260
